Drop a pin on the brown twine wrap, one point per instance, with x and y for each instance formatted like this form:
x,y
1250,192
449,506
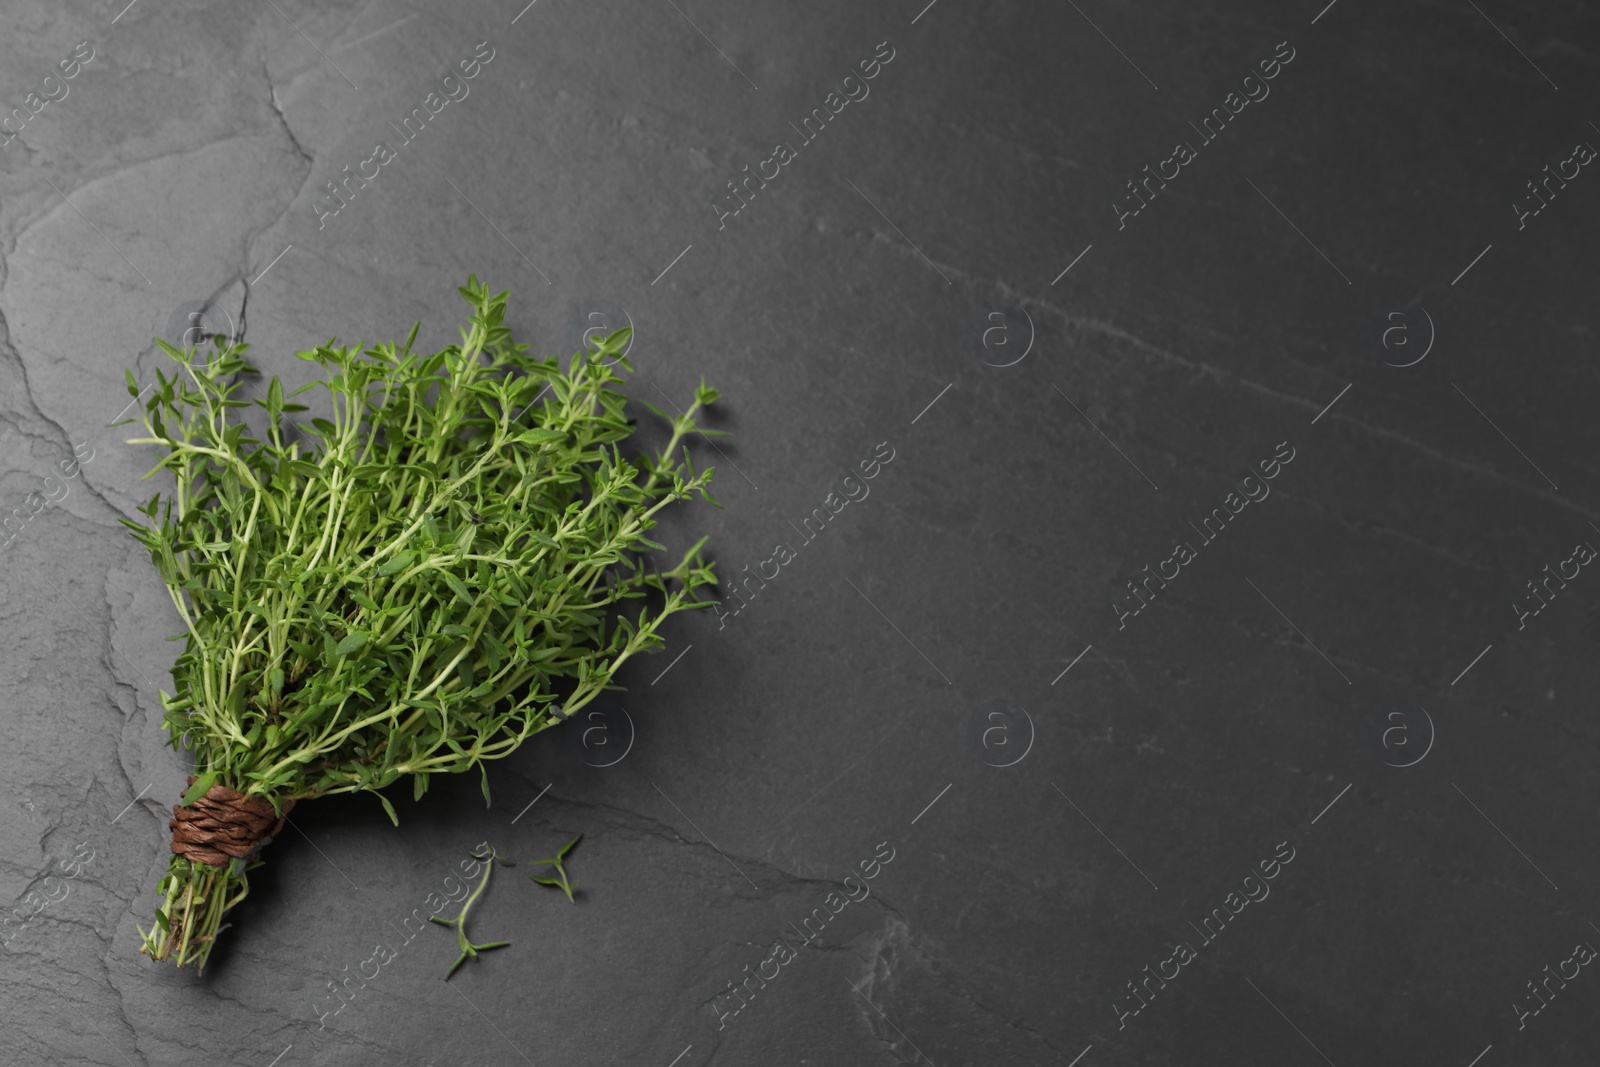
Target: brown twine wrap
x,y
224,825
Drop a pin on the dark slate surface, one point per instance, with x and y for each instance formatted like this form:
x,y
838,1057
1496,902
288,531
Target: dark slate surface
x,y
951,272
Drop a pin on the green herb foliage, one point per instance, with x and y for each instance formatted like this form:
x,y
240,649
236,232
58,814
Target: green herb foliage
x,y
561,872
448,563
468,949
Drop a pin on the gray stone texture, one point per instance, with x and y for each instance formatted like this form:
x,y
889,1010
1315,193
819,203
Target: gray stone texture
x,y
854,301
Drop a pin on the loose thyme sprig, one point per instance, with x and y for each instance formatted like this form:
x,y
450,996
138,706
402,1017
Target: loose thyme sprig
x,y
561,872
441,576
468,949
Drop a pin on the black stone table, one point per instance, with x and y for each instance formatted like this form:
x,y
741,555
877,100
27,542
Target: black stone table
x,y
1204,674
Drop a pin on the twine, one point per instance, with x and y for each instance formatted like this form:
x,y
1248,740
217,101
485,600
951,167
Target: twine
x,y
224,825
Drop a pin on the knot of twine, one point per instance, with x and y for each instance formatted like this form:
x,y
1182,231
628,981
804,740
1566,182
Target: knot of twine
x,y
224,825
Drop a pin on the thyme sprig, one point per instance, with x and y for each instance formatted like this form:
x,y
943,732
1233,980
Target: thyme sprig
x,y
446,571
468,949
561,872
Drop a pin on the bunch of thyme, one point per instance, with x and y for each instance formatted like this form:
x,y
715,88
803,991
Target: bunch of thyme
x,y
440,575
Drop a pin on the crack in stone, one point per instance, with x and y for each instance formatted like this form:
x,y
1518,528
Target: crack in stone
x,y
283,121
15,357
1116,333
277,109
649,825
